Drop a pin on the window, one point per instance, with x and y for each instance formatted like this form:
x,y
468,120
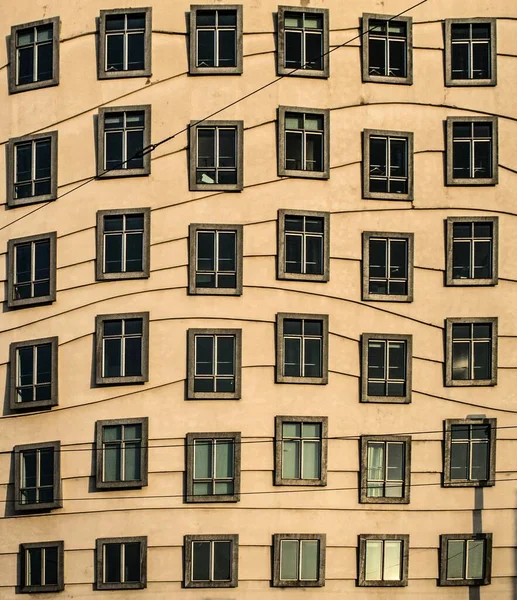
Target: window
x,y
470,52
472,153
42,567
385,469
123,132
215,259
386,367
216,156
471,351
124,43
301,450
37,476
388,266
31,276
214,364
303,142
123,239
466,559
216,40
121,563
32,169
299,559
383,560
211,561
388,165
303,245
122,348
472,250
303,41
469,452
213,467
387,49
33,373
121,453
34,55
301,348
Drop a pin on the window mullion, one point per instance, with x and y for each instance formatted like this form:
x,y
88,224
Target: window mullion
x,y
385,469
302,354
216,256
35,55
34,370
33,267
212,560
38,474
33,168
43,565
472,257
125,42
214,361
216,157
122,562
124,244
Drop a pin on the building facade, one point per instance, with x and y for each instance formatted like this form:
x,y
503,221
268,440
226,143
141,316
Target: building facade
x,y
251,251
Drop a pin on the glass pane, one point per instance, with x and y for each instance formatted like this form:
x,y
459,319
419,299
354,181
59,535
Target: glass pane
x,y
459,461
310,560
460,31
293,150
201,561
293,49
224,458
206,148
293,19
461,331
205,48
51,566
311,327
461,159
133,358
112,358
480,432
227,147
314,153
44,363
293,121
224,487
136,20
398,258
397,360
112,463
482,159
311,460
204,385
135,143
111,433
113,254
222,561
134,222
205,251
133,432
43,159
113,223
205,18
225,355
482,330
132,562
25,366
373,564
34,566
378,262
293,326
314,255
479,461
227,48
482,360
313,123
375,466
289,559
392,560
395,471
134,252
462,130
293,254
293,223
23,263
460,432
115,52
397,58
377,56
481,61
46,475
398,158
26,65
376,366
226,281
203,488
23,162
113,150
460,61
476,559
225,384
462,230
136,51
461,259
291,430
460,360
313,51
203,459
114,22
292,358
227,251
311,430
314,224
291,460
204,355
112,563
227,18
25,36
455,559
132,462
312,363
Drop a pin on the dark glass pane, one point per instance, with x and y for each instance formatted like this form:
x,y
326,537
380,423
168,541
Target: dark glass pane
x,y
461,260
112,358
293,49
481,61
397,58
41,289
483,230
482,130
482,260
378,287
482,160
134,252
114,22
378,185
227,48
46,474
461,160
205,48
293,327
376,388
113,327
480,432
293,223
205,18
461,31
206,148
398,258
135,144
376,365
395,462
132,561
115,52
460,360
227,147
204,355
479,461
293,254
398,158
482,360
396,389
377,266
42,187
222,561
482,330
113,223
136,21
227,252
462,230
398,187
112,560
377,27
459,461
313,327
314,51
460,61
292,365
314,152
481,31
133,358
25,395
377,53
132,326
44,62
201,560
35,566
378,159
29,460
43,392
25,366
23,191
23,291
460,432
43,159
205,280
460,331
225,384
225,355
203,385
42,260
113,254
136,51
314,255
113,151
462,130
134,222
314,224
135,119
23,162
44,364
397,360
227,18
51,566
226,281
293,150
312,366
227,177
25,65
205,251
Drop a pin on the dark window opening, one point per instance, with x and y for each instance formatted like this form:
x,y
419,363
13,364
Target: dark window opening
x,y
32,269
303,39
216,259
214,363
124,140
472,150
304,142
388,267
470,452
37,476
216,160
387,367
387,48
472,250
34,54
388,165
216,38
304,244
122,348
471,351
123,243
125,42
33,373
303,348
471,51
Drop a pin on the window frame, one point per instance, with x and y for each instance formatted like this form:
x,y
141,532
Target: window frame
x,y
99,564
101,146
15,87
277,559
194,228
445,538
449,381
281,245
188,540
279,479
281,69
37,506
450,280
447,452
366,294
363,539
191,363
100,456
13,374
100,274
26,588
386,337
195,70
101,55
384,133
281,119
458,181
100,379
363,496
449,81
11,273
235,436
11,166
194,186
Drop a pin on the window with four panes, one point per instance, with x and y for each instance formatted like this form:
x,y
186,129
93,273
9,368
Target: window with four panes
x,y
471,50
123,243
471,351
470,452
472,250
216,38
304,244
387,367
214,363
303,348
388,268
122,347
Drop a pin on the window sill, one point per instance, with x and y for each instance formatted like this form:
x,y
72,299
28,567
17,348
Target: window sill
x,y
124,74
36,85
